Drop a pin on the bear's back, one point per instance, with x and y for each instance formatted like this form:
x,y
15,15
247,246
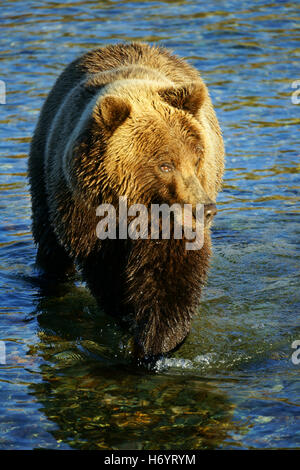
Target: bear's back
x,y
122,55
109,58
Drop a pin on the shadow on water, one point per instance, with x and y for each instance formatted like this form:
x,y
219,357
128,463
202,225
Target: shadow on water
x,y
99,399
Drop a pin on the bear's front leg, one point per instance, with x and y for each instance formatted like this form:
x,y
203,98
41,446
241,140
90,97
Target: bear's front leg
x,y
164,283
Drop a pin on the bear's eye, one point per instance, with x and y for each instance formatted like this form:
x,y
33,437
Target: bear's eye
x,y
166,167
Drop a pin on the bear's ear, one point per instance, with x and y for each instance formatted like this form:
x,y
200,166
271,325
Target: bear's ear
x,y
189,97
112,112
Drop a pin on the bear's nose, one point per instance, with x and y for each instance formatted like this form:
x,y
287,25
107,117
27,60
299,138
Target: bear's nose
x,y
210,211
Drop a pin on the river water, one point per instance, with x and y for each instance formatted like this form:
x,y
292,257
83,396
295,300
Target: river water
x,y
66,382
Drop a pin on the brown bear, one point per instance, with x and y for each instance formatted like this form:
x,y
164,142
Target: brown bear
x,y
127,120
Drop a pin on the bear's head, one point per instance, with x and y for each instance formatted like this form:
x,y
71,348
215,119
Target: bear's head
x,y
147,142
155,146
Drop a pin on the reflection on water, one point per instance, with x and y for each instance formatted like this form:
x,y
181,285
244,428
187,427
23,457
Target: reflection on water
x,y
68,381
98,401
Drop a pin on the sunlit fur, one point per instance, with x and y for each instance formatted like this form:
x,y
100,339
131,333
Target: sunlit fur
x,y
112,119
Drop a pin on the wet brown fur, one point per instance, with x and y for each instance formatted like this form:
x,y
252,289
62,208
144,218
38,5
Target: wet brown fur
x,y
113,116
